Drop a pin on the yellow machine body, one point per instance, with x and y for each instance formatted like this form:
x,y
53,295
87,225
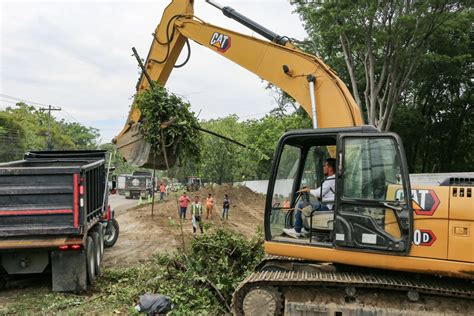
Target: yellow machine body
x,y
443,238
443,231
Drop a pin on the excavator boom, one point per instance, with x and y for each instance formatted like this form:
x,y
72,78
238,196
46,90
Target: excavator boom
x,y
278,62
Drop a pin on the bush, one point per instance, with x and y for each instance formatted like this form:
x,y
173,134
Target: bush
x,y
200,281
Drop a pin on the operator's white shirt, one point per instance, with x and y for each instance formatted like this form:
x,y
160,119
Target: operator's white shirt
x,y
327,192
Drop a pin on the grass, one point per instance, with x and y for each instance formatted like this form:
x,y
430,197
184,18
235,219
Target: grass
x,y
199,281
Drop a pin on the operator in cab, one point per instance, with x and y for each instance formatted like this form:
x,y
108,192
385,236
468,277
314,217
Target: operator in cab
x,y
325,193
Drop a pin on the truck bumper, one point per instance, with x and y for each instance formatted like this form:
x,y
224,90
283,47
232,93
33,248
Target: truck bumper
x,y
25,262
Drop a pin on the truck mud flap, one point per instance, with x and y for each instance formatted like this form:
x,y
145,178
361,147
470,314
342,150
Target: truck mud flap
x,y
69,271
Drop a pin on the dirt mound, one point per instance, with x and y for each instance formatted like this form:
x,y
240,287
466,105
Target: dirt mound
x,y
141,235
238,195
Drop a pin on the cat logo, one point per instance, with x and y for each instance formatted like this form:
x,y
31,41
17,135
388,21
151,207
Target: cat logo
x,y
220,41
424,202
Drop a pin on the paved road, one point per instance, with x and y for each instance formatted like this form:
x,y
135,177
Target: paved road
x,y
120,203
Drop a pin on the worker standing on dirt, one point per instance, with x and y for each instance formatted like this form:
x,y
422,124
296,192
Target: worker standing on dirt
x,y
209,206
225,207
162,191
196,209
184,200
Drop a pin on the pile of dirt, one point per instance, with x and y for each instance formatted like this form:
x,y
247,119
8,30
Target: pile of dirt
x,y
142,234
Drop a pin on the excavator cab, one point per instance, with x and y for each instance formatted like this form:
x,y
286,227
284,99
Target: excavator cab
x,y
371,210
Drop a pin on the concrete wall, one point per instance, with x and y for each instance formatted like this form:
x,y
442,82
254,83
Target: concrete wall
x,y
283,187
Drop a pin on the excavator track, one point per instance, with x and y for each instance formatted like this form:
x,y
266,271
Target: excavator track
x,y
350,292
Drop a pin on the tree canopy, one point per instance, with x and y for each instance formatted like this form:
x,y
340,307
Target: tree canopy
x,y
26,128
377,46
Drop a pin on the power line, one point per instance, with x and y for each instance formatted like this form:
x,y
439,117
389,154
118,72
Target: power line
x,y
35,104
22,100
71,116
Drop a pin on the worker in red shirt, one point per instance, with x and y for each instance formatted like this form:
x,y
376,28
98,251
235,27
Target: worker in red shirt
x,y
162,191
184,200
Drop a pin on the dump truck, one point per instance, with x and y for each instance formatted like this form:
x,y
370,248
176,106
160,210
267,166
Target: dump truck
x,y
137,185
54,216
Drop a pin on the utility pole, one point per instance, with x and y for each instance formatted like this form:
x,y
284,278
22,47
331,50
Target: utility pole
x,y
49,109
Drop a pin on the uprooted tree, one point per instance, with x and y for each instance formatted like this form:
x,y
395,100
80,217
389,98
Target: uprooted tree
x,y
168,122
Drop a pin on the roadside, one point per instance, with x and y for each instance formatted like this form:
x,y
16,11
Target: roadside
x,y
142,235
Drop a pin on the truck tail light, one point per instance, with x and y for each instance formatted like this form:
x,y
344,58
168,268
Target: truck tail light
x,y
71,247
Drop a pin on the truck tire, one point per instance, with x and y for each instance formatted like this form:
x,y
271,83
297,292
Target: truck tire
x,y
98,258
112,233
90,259
100,229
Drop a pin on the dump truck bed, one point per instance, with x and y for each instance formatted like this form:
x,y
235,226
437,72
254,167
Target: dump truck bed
x,y
51,193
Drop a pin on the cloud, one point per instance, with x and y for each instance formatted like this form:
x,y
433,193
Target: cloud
x,y
77,55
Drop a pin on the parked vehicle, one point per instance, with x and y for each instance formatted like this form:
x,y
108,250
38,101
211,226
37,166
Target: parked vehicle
x,y
54,215
138,185
194,184
121,183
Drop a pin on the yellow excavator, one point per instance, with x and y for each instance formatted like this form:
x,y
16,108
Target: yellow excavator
x,y
384,248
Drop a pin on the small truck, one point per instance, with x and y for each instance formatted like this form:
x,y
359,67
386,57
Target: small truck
x,y
138,185
54,216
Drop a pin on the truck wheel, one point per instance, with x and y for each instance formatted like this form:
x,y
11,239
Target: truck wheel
x,y
111,233
98,258
100,229
90,257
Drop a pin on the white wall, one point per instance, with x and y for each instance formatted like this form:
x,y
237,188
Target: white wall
x,y
284,187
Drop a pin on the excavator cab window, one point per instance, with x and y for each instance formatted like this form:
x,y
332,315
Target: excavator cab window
x,y
283,190
300,165
368,211
371,214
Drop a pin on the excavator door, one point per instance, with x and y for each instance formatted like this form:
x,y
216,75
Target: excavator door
x,y
373,210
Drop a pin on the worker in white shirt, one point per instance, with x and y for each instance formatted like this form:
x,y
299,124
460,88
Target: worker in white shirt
x,y
326,192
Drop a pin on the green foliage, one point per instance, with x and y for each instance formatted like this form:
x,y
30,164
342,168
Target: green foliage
x,y
199,282
158,107
36,128
436,117
12,138
224,162
215,265
376,45
265,133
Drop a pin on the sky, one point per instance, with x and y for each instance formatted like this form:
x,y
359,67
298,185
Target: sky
x,y
77,55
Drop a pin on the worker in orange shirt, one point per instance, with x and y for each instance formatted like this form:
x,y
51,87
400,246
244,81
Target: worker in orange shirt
x,y
162,191
209,206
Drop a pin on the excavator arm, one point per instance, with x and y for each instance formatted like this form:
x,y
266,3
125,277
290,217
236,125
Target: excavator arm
x,y
301,75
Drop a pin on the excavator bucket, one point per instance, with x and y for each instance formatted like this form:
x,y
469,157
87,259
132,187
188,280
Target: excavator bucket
x,y
130,142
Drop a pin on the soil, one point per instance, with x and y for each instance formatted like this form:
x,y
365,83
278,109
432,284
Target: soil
x,y
142,235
